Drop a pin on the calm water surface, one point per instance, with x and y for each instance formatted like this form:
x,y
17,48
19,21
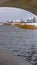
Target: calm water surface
x,y
21,42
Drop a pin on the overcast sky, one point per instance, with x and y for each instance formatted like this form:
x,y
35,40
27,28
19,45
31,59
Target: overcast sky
x,y
10,13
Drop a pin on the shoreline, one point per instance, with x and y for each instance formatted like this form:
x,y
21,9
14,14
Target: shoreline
x,y
22,25
27,25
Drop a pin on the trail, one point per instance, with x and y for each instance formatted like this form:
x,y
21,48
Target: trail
x,y
7,59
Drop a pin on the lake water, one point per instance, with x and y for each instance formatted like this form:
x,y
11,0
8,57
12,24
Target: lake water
x,y
21,42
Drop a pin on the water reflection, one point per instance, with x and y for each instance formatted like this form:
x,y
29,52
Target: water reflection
x,y
11,13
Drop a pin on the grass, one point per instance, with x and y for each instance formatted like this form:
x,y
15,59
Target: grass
x,y
30,5
25,26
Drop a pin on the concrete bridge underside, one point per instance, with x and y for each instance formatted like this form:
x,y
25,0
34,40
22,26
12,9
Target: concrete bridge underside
x,y
29,5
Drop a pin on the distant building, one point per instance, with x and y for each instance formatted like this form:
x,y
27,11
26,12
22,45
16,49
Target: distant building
x,y
28,20
34,20
18,21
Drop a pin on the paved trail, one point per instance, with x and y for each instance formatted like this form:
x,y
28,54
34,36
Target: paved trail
x,y
7,59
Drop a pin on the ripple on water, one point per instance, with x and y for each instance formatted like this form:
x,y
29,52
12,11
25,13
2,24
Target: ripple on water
x,y
21,42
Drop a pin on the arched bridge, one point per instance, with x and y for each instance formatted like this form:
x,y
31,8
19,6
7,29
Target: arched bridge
x,y
30,5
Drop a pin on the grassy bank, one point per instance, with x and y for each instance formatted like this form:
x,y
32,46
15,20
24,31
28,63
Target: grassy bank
x,y
30,5
25,26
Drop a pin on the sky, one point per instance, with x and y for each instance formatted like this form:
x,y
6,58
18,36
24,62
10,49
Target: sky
x,y
11,13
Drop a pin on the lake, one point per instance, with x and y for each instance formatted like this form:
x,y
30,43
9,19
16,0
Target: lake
x,y
21,42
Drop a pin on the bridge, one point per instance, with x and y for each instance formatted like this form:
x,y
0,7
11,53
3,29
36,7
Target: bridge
x,y
29,5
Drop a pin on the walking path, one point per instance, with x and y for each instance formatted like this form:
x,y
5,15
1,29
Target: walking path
x,y
7,59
